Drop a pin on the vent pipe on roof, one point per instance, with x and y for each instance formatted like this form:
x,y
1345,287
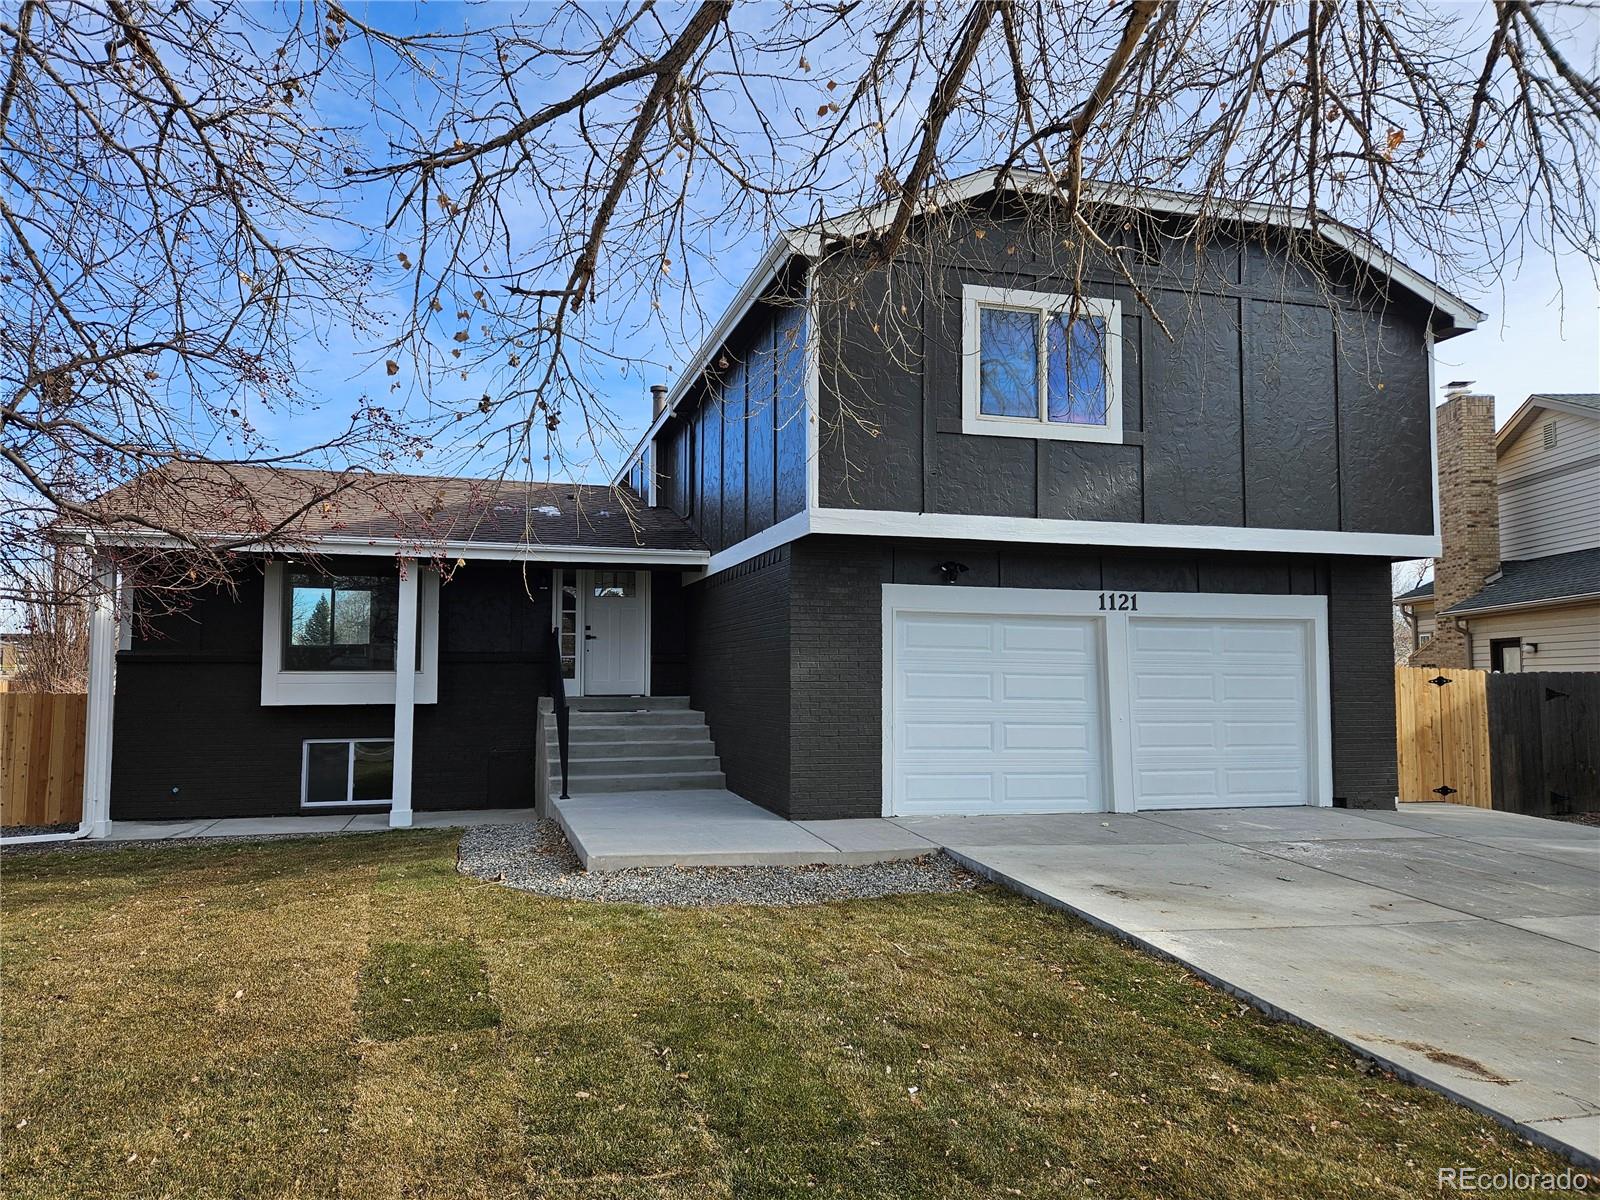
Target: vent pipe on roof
x,y
658,398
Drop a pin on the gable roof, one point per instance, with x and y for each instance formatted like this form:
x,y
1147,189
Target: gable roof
x,y
1577,404
1532,581
808,242
361,512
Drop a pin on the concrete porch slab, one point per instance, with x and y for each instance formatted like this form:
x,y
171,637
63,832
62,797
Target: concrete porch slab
x,y
146,831
862,840
710,828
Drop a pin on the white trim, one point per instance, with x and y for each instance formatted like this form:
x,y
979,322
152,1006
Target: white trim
x,y
405,694
585,578
971,527
1043,304
280,687
811,366
1556,602
390,547
1433,435
101,704
350,773
978,183
1311,611
977,528
785,531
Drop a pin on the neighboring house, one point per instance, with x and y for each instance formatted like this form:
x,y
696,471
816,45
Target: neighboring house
x,y
1517,587
996,558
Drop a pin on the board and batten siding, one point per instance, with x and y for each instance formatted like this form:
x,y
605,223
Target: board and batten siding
x,y
733,463
1568,637
1550,494
1252,402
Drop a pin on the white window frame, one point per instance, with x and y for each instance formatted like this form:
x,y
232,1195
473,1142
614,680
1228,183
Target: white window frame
x,y
280,687
349,773
1045,304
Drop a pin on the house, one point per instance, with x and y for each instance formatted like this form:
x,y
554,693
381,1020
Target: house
x,y
916,537
1517,587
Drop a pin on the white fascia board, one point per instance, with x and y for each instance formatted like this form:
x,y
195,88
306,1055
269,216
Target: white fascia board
x,y
1024,530
1519,421
979,183
765,271
1557,602
389,547
785,531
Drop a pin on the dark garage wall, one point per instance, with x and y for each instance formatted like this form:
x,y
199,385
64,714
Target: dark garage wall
x,y
836,670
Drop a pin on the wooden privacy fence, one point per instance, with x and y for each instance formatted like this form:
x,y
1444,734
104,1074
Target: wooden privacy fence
x,y
1442,735
1527,743
41,757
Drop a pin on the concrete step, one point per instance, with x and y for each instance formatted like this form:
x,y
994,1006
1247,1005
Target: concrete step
x,y
637,720
616,735
626,703
641,748
644,765
652,782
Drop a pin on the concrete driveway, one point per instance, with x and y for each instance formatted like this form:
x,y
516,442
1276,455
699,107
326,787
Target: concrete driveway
x,y
1457,946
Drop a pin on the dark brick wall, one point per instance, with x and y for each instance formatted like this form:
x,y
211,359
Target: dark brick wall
x,y
189,714
1361,666
837,626
738,626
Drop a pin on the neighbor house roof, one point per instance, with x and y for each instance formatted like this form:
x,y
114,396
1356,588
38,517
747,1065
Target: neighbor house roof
x,y
808,242
1528,582
1578,404
357,511
1423,591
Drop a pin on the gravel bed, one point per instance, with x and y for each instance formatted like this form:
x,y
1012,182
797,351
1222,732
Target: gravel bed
x,y
536,858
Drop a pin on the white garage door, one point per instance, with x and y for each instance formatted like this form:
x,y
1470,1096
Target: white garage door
x,y
1219,713
995,714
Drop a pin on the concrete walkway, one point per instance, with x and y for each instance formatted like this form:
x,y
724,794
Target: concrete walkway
x,y
712,828
1459,947
140,831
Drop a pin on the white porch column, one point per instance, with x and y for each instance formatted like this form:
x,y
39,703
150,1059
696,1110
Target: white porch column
x,y
102,692
405,692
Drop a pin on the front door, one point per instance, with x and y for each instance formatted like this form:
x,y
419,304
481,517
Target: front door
x,y
615,611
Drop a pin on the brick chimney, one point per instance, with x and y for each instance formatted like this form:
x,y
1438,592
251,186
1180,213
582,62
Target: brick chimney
x,y
1469,520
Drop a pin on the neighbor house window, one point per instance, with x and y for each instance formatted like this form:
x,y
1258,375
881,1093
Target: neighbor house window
x,y
346,772
339,622
1039,365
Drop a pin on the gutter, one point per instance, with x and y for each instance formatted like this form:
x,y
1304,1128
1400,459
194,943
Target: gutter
x,y
31,839
1466,614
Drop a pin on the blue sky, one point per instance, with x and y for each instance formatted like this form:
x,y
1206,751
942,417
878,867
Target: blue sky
x,y
1542,334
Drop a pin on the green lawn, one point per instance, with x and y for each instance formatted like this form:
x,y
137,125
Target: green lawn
x,y
349,1017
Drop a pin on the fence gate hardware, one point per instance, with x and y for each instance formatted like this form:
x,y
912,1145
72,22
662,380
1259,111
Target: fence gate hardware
x,y
1446,790
1438,681
1551,694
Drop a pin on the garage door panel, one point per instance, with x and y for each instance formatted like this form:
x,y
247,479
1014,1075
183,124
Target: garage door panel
x,y
1252,744
1003,720
940,686
950,735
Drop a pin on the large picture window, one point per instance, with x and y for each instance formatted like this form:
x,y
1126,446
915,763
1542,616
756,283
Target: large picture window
x,y
1038,365
339,622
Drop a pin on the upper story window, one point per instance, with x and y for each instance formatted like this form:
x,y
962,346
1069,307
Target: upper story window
x,y
1036,367
339,622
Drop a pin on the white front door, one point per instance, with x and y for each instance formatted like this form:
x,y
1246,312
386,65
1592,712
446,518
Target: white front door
x,y
995,714
616,646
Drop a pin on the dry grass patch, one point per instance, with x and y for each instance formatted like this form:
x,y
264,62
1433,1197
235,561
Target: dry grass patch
x,y
350,1017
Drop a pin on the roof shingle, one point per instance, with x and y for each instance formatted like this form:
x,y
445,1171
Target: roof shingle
x,y
1538,581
